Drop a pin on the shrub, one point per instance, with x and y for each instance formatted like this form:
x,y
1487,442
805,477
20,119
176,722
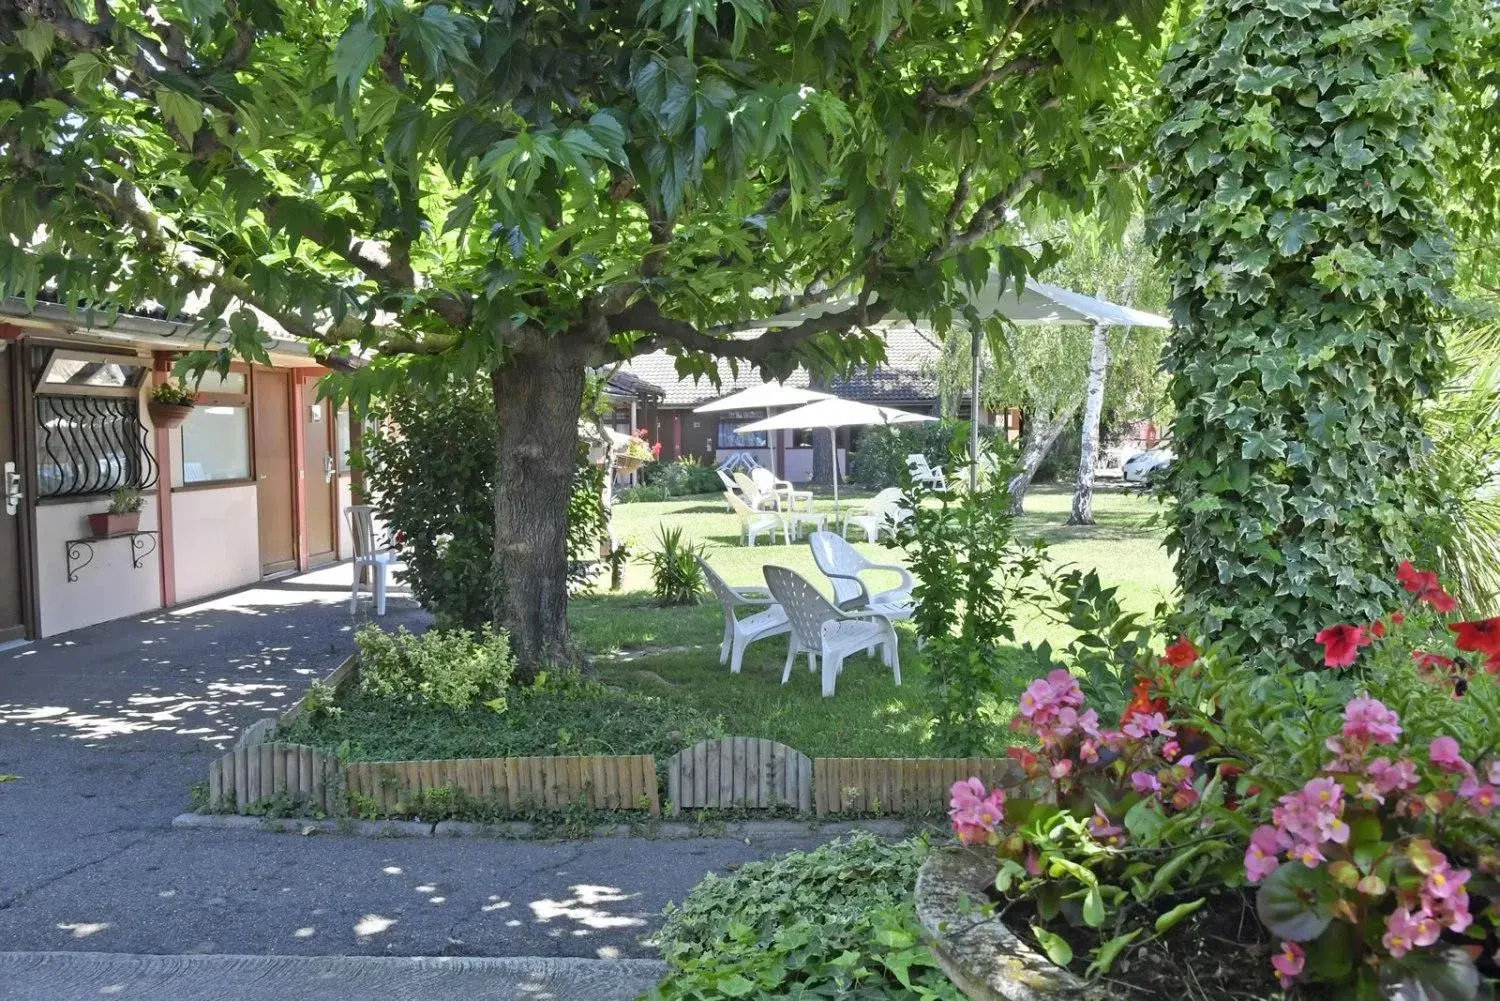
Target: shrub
x,y
641,493
836,922
879,458
971,577
559,714
683,477
453,668
429,464
676,576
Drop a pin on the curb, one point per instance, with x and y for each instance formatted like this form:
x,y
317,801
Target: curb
x,y
746,830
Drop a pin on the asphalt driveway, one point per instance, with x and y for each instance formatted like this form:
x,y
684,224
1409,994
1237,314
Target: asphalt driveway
x,y
108,726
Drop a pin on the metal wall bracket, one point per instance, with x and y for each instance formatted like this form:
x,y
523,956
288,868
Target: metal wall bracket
x,y
80,552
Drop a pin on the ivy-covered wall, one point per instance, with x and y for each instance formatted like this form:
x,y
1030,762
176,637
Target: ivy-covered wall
x,y
1295,205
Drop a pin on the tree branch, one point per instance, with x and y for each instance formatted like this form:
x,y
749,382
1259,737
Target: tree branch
x,y
645,316
1021,65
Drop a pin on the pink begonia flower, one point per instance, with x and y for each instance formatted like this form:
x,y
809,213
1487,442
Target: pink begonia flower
x,y
1309,855
1102,829
1370,793
1445,883
1393,776
1367,720
1260,857
974,814
1060,769
1483,799
1170,749
1444,752
1288,963
965,793
1142,725
1405,931
1145,783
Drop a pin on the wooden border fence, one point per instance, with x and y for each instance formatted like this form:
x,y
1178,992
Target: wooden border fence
x,y
603,782
916,786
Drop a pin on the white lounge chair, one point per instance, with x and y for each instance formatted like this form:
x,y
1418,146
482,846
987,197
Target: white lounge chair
x,y
368,552
881,513
739,633
825,633
788,497
754,496
923,473
757,523
842,564
729,485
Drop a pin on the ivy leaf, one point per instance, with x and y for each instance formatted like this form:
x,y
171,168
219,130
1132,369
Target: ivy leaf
x,y
734,986
1057,948
1296,903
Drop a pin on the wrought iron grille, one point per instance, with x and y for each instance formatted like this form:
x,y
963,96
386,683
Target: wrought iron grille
x,y
90,445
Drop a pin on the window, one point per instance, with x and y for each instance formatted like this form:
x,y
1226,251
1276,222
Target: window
x,y
341,442
216,436
803,437
729,424
89,435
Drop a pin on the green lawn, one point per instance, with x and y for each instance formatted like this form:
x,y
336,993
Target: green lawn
x,y
674,652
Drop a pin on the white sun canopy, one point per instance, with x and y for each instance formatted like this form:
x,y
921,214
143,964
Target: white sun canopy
x,y
763,397
834,413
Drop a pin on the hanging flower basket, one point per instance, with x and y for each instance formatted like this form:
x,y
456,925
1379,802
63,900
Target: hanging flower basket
x,y
168,415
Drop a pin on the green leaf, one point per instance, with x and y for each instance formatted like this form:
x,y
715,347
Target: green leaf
x,y
36,38
734,986
1093,908
1448,975
1166,922
1106,954
181,110
1057,948
1296,903
354,54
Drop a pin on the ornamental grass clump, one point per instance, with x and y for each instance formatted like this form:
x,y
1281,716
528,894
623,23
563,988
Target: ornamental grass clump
x,y
1357,804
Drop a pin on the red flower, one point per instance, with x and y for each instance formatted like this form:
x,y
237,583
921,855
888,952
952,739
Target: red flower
x,y
656,450
1341,644
1181,654
1141,702
1482,636
1378,629
1424,584
1427,662
1397,618
1492,664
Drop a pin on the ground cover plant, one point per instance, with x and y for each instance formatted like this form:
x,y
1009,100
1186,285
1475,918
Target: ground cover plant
x,y
836,922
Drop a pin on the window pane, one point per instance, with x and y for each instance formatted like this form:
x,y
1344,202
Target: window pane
x,y
90,445
341,437
213,382
77,372
216,445
729,437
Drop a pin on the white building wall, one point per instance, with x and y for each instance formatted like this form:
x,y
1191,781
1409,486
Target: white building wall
x,y
217,540
108,587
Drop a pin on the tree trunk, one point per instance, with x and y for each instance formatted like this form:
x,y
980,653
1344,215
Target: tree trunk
x,y
1093,409
823,453
537,398
1041,435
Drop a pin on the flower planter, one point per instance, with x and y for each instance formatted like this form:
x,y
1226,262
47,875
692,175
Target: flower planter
x,y
105,525
982,957
166,416
627,465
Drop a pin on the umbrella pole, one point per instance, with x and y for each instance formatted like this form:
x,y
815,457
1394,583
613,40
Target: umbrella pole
x,y
974,412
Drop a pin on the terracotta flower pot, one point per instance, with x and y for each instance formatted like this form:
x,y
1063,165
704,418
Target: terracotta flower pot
x,y
104,524
168,415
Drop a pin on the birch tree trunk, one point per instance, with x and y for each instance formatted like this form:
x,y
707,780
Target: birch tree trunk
x,y
1093,408
1042,431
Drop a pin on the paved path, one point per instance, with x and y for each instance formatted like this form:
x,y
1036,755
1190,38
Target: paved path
x,y
87,976
109,725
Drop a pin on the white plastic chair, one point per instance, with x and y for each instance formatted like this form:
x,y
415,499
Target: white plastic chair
x,y
881,513
842,564
754,496
788,497
923,473
367,553
757,523
824,632
729,485
739,633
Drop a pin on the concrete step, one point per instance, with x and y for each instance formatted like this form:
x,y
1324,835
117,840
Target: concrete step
x,y
74,976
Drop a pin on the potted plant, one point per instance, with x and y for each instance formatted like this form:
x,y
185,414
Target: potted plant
x,y
122,517
636,453
170,405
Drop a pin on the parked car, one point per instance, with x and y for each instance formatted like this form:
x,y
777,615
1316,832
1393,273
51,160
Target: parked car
x,y
1139,467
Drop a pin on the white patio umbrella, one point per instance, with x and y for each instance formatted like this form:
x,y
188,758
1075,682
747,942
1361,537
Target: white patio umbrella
x,y
1040,304
767,396
834,413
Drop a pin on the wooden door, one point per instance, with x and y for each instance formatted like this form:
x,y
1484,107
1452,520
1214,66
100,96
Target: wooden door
x,y
319,477
271,400
13,571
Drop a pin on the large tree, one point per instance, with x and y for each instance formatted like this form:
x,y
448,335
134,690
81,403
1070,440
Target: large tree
x,y
529,188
